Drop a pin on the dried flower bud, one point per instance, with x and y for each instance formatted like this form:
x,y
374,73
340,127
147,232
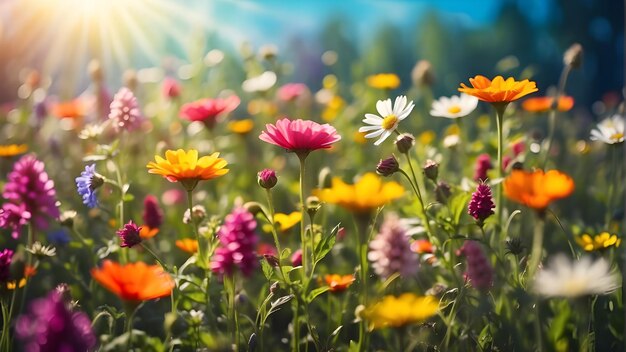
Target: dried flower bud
x,y
405,142
267,178
275,287
422,74
573,56
388,167
514,246
67,218
431,170
442,192
198,213
271,260
312,204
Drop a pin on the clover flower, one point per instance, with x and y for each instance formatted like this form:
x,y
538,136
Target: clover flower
x,y
481,205
237,244
390,251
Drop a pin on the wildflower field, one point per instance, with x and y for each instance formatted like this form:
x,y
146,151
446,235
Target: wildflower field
x,y
219,203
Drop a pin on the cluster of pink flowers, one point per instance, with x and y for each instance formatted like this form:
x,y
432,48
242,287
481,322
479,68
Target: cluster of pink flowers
x,y
479,270
125,113
237,244
481,205
390,251
30,196
483,164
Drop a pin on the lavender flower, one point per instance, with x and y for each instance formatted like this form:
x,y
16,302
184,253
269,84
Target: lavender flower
x,y
32,192
129,235
390,251
50,325
6,256
481,205
479,270
483,164
152,213
237,244
87,183
125,112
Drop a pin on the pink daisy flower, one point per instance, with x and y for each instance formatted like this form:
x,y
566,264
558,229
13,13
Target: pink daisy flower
x,y
300,136
291,91
208,110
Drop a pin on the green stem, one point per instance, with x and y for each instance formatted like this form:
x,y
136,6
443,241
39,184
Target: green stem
x,y
305,260
419,195
130,314
120,207
500,108
194,225
230,282
270,205
451,317
554,109
535,254
156,257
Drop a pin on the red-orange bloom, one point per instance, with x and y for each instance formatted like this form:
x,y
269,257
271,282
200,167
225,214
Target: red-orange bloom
x,y
70,109
339,283
134,281
147,232
536,189
188,245
498,90
422,246
543,104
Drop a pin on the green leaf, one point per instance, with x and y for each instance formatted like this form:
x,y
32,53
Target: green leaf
x,y
268,271
458,204
318,291
325,245
285,254
128,197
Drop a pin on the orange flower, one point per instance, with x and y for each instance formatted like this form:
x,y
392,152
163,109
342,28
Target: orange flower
x,y
188,245
537,189
146,232
134,281
186,167
70,109
12,150
339,283
543,104
422,246
498,90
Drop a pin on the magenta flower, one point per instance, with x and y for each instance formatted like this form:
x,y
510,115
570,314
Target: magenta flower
x,y
50,325
209,110
267,179
296,258
6,257
237,244
390,251
291,91
129,234
483,164
481,205
300,136
152,213
125,113
31,194
479,270
171,88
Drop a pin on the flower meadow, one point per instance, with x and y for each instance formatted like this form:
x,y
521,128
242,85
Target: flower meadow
x,y
268,215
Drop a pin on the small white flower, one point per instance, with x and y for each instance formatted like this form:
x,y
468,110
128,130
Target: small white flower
x,y
610,130
454,107
260,83
40,250
568,279
390,117
196,316
91,131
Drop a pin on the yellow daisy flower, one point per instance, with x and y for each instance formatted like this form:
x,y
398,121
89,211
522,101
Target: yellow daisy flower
x,y
399,311
185,167
241,126
600,241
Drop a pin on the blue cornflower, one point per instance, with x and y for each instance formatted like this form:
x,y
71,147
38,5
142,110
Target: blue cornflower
x,y
87,183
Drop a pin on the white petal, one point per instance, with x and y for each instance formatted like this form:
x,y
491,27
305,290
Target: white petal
x,y
384,136
375,133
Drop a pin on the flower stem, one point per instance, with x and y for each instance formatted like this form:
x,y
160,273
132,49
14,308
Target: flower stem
x,y
418,194
230,283
156,257
270,205
305,260
130,309
194,225
500,108
535,254
555,106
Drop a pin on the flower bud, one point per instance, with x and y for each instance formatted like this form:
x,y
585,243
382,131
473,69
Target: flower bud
x,y
387,167
253,207
405,142
275,287
422,74
67,218
514,246
198,213
431,170
442,192
312,204
267,178
271,260
296,258
573,56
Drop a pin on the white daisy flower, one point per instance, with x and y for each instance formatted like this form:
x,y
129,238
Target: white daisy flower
x,y
609,131
40,250
454,107
568,279
390,117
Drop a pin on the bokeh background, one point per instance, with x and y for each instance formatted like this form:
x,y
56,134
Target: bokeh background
x,y
461,39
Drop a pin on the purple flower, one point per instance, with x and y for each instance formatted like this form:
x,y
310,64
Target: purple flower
x,y
129,234
87,183
267,178
483,164
32,193
481,205
125,113
479,270
14,216
6,256
50,325
237,244
390,251
152,213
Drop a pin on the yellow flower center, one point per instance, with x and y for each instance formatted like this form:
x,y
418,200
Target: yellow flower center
x,y
615,136
389,122
454,109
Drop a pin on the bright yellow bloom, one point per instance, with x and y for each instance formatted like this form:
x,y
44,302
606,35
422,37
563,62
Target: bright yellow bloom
x,y
367,194
12,285
287,221
600,241
185,167
498,90
384,81
241,126
10,150
406,309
